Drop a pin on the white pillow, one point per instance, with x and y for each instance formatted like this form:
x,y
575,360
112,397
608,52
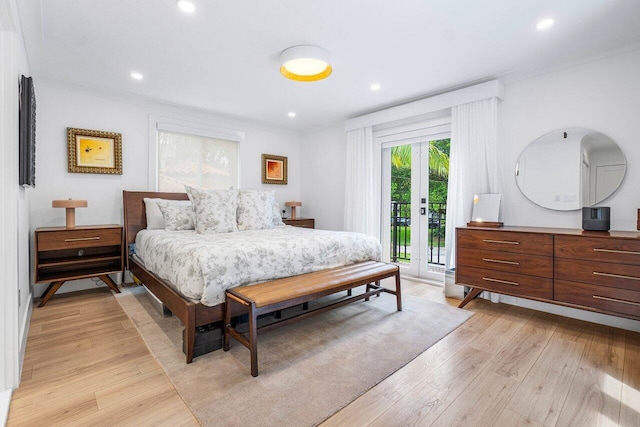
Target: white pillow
x,y
277,217
215,210
255,209
177,216
155,221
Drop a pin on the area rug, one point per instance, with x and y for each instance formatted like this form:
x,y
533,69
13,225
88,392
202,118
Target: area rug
x,y
309,370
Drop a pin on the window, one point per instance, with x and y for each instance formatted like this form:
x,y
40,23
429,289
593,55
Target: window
x,y
196,158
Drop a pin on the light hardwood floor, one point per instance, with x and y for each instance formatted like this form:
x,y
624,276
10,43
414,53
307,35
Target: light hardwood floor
x,y
507,366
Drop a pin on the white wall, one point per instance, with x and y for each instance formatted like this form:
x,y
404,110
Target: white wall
x,y
323,175
60,107
15,305
603,95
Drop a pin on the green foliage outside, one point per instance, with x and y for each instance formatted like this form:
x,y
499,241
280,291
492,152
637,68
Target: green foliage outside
x,y
438,171
401,181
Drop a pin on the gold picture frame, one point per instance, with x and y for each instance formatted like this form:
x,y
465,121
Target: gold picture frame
x,y
94,151
274,169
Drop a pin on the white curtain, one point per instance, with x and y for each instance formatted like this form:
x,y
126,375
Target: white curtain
x,y
362,195
472,164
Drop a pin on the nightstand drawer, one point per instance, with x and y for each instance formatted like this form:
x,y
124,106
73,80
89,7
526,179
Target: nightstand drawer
x,y
72,239
301,222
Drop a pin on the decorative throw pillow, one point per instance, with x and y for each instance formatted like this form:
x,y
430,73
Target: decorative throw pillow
x,y
215,210
277,218
255,209
155,221
177,215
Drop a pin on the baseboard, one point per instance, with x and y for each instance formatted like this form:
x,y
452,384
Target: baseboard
x,y
24,332
5,401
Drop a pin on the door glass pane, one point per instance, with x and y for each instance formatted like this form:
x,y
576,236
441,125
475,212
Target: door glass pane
x,y
401,204
438,181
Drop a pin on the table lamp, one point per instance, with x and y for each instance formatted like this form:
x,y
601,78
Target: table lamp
x,y
293,206
70,205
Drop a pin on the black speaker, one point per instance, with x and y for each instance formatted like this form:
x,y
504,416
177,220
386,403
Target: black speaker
x,y
596,219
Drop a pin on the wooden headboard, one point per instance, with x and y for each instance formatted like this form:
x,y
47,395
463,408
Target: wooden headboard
x,y
135,214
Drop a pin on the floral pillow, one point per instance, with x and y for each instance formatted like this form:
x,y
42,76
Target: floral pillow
x,y
277,217
215,210
177,215
255,209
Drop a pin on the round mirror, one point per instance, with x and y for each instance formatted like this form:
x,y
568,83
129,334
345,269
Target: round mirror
x,y
570,168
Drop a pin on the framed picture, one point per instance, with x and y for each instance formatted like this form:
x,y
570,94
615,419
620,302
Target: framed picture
x,y
274,169
94,151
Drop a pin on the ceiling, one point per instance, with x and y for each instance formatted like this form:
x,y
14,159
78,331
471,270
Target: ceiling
x,y
224,58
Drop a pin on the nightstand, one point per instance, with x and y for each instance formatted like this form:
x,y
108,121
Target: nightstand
x,y
64,254
301,222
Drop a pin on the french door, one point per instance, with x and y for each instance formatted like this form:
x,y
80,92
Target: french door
x,y
414,205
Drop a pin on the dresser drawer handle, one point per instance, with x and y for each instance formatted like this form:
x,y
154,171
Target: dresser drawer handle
x,y
618,276
616,300
506,282
499,261
614,251
504,242
81,239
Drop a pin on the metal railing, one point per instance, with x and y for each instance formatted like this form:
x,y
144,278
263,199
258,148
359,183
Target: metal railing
x,y
401,232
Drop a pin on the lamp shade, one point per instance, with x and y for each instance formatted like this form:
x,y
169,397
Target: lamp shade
x,y
70,206
305,63
293,206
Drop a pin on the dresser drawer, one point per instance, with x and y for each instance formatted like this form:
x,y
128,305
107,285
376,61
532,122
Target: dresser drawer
x,y
71,239
506,241
504,282
621,251
532,265
601,298
620,276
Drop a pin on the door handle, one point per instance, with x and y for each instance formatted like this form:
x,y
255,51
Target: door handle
x,y
423,211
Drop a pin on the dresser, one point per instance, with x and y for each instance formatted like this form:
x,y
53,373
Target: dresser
x,y
63,254
597,271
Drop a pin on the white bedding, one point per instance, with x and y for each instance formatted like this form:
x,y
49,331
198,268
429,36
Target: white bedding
x,y
202,266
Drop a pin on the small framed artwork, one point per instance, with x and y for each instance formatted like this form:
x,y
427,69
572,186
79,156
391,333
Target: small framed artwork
x,y
94,151
274,169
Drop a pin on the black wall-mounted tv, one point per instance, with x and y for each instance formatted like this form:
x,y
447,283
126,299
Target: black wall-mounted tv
x,y
27,133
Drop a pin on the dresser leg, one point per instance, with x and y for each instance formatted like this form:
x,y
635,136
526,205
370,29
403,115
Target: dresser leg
x,y
474,292
110,283
52,289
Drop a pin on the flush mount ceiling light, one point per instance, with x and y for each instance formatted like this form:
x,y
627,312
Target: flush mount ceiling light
x,y
136,76
291,114
375,87
305,63
544,24
186,6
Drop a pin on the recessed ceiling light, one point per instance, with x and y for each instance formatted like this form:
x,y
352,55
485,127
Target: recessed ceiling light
x,y
375,86
136,76
544,24
291,114
186,6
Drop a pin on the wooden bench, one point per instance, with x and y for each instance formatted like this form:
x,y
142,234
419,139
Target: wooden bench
x,y
279,294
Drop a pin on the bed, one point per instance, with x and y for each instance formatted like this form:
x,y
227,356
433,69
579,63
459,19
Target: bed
x,y
190,272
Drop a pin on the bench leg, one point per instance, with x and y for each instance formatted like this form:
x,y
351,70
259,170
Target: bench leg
x,y
368,289
378,285
349,293
253,339
398,292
